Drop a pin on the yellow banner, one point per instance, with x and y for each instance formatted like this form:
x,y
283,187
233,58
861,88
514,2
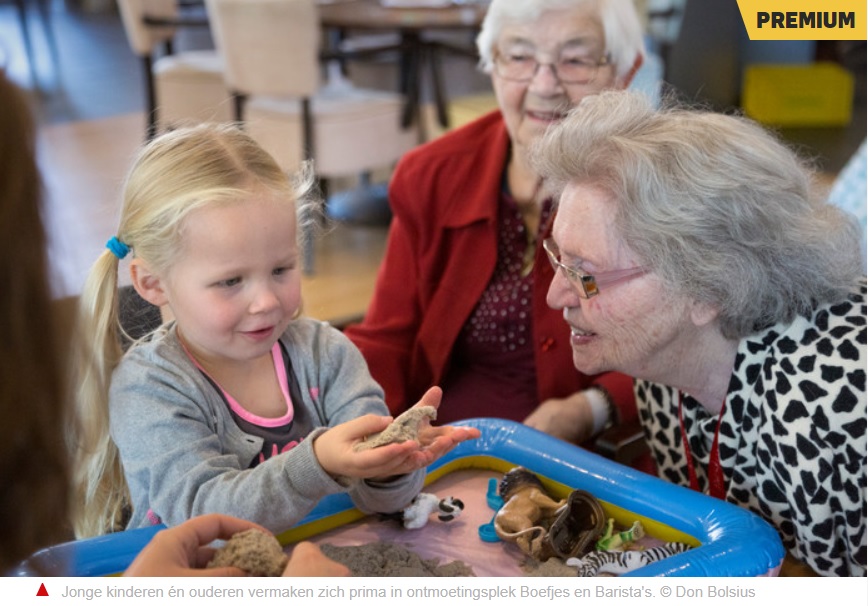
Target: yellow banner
x,y
805,19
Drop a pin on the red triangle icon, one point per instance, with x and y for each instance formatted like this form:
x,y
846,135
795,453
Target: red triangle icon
x,y
42,590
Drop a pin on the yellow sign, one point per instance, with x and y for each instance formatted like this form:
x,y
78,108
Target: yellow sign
x,y
805,19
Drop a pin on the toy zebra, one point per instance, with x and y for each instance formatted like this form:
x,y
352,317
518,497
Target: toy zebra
x,y
619,562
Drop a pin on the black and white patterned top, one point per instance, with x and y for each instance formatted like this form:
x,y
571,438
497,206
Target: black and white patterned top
x,y
792,436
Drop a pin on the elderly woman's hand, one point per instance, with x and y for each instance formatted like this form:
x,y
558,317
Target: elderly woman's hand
x,y
567,418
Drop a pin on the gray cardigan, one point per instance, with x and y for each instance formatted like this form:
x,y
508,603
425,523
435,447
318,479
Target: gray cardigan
x,y
183,455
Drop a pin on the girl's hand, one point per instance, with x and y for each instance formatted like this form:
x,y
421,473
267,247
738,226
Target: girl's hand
x,y
437,441
334,451
334,448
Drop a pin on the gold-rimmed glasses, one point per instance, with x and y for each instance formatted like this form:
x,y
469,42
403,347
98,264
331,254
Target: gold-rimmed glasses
x,y
588,285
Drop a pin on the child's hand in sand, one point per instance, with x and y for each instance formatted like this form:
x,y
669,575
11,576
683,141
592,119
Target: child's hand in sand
x,y
339,454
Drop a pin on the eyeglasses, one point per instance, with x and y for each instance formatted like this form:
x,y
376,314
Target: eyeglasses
x,y
587,285
522,66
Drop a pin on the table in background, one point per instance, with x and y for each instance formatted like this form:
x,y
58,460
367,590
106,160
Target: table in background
x,y
416,51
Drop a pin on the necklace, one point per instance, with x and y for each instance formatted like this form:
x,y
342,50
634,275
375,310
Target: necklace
x,y
531,228
716,481
527,259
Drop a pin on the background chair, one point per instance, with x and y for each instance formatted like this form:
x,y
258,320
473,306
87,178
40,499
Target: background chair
x,y
181,87
271,53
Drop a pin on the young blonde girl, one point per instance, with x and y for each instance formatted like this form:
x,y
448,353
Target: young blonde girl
x,y
237,406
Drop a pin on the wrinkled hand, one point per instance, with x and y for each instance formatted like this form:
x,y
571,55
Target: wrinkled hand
x,y
308,561
183,551
568,418
334,448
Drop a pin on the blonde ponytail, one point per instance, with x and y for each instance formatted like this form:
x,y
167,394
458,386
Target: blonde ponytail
x,y
99,487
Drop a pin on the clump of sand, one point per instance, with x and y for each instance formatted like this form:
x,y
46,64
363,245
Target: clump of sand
x,y
405,427
379,559
253,551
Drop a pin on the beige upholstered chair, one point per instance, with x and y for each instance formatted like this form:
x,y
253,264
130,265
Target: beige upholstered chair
x,y
182,87
271,54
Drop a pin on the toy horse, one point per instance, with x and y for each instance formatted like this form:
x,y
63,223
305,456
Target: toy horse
x,y
542,527
527,512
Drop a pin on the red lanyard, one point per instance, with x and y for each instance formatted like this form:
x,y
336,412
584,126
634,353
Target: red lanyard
x,y
716,483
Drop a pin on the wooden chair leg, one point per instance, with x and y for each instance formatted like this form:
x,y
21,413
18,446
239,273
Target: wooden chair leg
x,y
308,154
150,97
437,86
238,101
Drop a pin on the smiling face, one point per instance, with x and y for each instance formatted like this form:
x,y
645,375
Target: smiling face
x,y
237,282
636,326
530,107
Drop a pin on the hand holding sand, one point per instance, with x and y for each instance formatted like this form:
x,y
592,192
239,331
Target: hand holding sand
x,y
395,453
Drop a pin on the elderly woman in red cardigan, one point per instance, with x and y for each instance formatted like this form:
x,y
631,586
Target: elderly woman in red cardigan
x,y
460,297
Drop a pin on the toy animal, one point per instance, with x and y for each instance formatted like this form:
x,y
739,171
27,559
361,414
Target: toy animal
x,y
619,541
420,509
619,562
578,525
527,512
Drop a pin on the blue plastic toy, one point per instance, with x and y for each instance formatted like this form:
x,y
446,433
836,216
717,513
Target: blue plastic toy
x,y
495,501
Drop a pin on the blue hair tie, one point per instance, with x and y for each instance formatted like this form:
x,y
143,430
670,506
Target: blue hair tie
x,y
118,248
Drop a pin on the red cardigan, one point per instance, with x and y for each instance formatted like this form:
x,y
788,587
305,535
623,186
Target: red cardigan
x,y
440,255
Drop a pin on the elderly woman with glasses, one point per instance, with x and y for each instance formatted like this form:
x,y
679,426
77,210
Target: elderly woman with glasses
x,y
693,257
460,298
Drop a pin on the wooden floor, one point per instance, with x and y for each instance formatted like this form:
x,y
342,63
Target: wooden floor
x,y
346,263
